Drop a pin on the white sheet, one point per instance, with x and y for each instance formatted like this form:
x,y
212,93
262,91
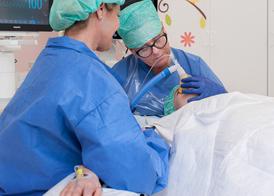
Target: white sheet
x,y
221,146
146,121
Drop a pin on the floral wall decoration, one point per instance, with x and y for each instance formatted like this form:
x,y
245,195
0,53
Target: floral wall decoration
x,y
203,16
163,7
186,15
187,39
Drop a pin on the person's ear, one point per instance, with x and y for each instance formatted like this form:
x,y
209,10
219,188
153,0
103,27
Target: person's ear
x,y
100,11
131,50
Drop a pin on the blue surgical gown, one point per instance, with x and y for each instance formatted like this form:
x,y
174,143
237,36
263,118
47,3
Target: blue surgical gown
x,y
133,74
70,110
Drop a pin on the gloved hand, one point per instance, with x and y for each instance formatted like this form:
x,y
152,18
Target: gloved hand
x,y
202,87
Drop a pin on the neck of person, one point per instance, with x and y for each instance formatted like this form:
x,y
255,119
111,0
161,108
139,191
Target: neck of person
x,y
88,34
158,70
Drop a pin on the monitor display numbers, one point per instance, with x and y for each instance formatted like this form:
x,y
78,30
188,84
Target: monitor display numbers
x,y
34,12
36,4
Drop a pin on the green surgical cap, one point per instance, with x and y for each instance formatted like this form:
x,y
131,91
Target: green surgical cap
x,y
139,23
64,13
169,102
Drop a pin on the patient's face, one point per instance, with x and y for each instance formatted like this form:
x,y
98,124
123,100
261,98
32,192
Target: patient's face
x,y
181,99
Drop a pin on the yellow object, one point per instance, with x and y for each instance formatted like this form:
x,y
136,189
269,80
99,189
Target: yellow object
x,y
202,23
168,20
194,1
79,171
180,90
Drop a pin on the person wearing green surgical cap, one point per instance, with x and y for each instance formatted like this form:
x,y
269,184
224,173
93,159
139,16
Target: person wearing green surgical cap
x,y
147,39
175,100
73,16
71,111
66,13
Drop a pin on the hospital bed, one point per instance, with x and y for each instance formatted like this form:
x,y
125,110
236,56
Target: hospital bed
x,y
220,146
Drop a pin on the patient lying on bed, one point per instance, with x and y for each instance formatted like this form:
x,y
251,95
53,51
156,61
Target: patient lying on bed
x,y
175,100
222,145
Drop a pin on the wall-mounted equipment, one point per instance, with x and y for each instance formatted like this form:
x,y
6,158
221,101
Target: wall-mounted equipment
x,y
25,15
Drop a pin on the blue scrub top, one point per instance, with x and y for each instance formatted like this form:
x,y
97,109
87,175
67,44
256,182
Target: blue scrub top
x,y
70,110
131,73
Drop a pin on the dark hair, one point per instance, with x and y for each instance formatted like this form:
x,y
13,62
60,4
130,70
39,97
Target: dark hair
x,y
110,6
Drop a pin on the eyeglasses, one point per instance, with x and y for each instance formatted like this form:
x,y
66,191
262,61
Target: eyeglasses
x,y
147,50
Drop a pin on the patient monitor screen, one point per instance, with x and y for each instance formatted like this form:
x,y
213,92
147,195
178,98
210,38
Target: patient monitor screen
x,y
29,12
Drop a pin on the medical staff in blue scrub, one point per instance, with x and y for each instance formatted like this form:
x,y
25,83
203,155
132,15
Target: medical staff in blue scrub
x,y
145,36
70,110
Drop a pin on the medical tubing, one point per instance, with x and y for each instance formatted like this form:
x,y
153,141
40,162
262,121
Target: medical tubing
x,y
181,72
165,73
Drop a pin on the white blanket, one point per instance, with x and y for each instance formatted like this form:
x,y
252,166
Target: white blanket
x,y
221,146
